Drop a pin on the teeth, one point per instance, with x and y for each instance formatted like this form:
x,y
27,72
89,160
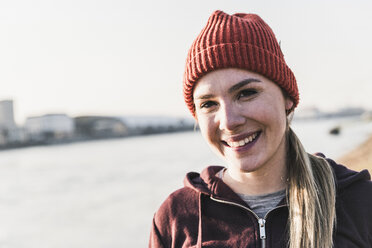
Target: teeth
x,y
242,142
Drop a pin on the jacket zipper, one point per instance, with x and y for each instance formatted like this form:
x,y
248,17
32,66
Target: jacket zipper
x,y
261,224
261,221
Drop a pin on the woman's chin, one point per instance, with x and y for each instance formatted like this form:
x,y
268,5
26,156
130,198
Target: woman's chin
x,y
244,166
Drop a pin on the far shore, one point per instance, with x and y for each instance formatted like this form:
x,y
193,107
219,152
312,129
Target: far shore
x,y
359,158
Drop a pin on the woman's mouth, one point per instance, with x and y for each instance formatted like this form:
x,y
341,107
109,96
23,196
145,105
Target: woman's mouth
x,y
242,142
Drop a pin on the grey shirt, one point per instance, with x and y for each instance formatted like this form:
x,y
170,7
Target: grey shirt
x,y
262,204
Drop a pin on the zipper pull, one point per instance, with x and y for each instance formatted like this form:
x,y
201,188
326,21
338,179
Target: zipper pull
x,y
261,224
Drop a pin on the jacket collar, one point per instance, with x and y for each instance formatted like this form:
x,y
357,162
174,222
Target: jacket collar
x,y
210,184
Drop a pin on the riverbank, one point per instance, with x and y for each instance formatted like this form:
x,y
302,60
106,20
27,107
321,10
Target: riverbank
x,y
359,158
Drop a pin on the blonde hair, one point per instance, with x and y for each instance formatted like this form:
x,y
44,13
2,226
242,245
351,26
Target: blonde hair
x,y
311,196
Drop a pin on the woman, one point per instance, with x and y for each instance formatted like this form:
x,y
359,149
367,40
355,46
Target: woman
x,y
241,92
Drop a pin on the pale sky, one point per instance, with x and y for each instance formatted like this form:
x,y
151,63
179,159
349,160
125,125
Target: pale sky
x,y
116,57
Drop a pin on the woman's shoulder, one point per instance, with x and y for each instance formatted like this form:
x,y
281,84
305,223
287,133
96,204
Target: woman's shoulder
x,y
178,212
354,189
183,204
348,180
179,199
355,192
353,205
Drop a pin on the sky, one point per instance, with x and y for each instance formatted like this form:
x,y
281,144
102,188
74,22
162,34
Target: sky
x,y
117,57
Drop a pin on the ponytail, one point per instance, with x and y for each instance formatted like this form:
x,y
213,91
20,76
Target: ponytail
x,y
311,196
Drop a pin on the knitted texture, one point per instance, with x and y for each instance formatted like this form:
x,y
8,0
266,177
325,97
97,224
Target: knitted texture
x,y
237,41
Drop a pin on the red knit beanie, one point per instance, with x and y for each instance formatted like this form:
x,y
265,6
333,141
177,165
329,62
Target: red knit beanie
x,y
237,41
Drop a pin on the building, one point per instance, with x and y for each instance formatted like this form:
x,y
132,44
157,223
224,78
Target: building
x,y
138,125
49,128
92,127
7,114
10,133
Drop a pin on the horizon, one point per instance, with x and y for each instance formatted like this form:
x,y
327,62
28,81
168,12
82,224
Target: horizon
x,y
299,113
127,58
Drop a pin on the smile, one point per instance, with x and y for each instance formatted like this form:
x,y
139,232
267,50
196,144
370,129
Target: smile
x,y
242,142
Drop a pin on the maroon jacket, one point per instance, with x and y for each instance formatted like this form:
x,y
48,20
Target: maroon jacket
x,y
207,213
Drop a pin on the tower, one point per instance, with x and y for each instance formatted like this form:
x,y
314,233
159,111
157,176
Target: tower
x,y
7,114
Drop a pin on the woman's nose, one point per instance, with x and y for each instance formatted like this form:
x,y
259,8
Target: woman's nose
x,y
230,117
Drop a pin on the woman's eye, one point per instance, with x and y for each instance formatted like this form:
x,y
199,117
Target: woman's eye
x,y
207,104
247,93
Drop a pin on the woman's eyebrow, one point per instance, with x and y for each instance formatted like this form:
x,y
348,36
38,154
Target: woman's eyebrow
x,y
241,84
203,97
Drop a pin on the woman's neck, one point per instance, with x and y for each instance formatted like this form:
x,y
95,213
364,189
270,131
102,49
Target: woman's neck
x,y
264,181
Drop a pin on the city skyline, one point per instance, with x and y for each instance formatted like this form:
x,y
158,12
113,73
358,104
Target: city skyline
x,y
123,58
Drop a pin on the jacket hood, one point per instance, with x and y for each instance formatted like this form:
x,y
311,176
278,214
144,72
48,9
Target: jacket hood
x,y
208,183
346,177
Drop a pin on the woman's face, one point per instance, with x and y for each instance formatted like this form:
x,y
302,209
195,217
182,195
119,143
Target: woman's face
x,y
242,116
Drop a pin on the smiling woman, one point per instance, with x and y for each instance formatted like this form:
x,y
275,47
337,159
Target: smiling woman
x,y
272,193
242,115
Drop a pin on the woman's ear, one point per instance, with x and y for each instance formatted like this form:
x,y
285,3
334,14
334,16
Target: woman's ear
x,y
288,105
196,123
194,114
